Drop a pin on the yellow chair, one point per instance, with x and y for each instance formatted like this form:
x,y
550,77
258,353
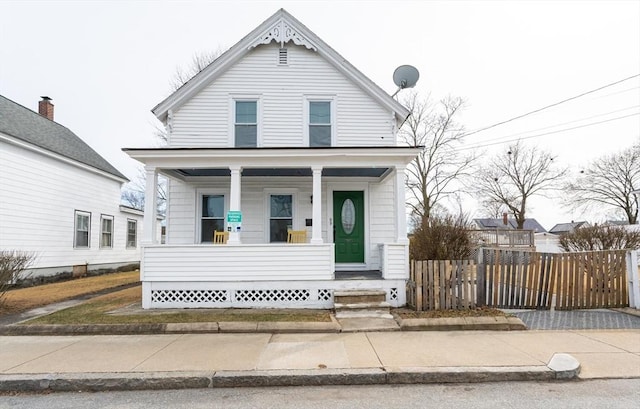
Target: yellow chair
x,y
296,236
220,237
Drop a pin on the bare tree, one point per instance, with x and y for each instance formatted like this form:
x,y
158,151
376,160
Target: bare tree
x,y
516,176
133,193
432,174
182,75
199,61
592,238
492,208
609,182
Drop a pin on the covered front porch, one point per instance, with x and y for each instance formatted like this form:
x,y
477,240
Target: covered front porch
x,y
257,267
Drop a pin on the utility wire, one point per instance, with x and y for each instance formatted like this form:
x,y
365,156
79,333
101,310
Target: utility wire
x,y
547,133
553,126
552,105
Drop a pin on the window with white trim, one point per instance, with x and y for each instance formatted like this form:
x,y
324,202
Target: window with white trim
x,y
246,123
82,229
280,217
320,123
132,233
212,216
106,231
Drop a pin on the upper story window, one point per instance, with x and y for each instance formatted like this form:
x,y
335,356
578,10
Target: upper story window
x,y
246,124
319,123
106,231
319,120
82,229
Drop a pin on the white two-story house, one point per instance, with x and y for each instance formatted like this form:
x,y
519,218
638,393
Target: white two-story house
x,y
59,199
279,133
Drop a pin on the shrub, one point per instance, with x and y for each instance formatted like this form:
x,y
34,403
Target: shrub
x,y
442,238
600,238
12,263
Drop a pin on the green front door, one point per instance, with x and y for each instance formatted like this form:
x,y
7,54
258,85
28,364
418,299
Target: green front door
x,y
348,226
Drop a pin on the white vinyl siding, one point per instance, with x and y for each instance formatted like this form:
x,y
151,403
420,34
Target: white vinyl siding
x,y
204,119
41,194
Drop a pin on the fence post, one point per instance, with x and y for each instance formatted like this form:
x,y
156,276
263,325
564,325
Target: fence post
x,y
481,291
634,280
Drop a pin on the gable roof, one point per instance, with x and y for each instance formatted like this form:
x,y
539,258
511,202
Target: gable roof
x,y
33,128
281,27
567,227
529,224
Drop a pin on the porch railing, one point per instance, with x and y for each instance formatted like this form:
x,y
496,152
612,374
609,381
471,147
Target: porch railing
x,y
244,262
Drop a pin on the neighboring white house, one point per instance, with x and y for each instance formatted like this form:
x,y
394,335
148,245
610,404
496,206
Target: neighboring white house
x,y
280,132
59,199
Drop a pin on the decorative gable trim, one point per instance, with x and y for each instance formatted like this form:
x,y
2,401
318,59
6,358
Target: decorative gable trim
x,y
282,32
281,27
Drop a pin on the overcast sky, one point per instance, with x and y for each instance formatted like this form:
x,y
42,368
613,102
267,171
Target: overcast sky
x,y
105,64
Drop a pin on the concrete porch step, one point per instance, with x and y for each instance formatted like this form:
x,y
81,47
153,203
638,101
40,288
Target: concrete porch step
x,y
364,314
359,296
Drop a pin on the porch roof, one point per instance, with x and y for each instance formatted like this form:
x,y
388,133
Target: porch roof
x,y
292,161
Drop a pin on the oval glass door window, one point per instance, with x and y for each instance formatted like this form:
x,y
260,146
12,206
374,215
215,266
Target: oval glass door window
x,y
348,216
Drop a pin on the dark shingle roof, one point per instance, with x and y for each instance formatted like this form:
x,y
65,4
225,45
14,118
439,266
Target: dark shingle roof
x,y
529,224
567,227
31,127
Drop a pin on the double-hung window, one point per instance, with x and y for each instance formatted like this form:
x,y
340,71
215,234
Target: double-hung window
x,y
132,233
212,216
246,124
106,231
82,229
280,217
320,123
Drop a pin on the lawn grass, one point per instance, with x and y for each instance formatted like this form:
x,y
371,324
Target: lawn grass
x,y
32,297
471,312
96,311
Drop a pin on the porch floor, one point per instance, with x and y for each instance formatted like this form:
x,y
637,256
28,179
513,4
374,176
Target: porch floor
x,y
359,275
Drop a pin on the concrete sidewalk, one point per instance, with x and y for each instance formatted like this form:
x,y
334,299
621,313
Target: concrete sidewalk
x,y
119,362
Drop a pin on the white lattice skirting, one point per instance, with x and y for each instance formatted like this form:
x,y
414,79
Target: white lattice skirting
x,y
262,294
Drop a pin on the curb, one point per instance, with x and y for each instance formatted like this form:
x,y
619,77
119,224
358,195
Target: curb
x,y
280,327
463,324
563,367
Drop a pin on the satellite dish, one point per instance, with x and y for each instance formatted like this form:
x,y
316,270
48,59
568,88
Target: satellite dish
x,y
406,76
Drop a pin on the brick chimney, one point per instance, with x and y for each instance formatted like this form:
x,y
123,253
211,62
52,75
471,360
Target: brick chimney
x,y
45,108
505,218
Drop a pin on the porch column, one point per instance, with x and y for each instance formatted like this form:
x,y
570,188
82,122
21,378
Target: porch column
x,y
150,205
316,229
234,199
401,208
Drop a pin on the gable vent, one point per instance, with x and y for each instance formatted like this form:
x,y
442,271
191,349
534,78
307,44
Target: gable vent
x,y
282,56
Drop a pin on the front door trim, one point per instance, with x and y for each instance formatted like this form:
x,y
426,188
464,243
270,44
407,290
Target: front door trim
x,y
346,186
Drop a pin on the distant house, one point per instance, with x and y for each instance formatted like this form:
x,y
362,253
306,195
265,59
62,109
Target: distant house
x,y
562,228
286,178
489,223
59,199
